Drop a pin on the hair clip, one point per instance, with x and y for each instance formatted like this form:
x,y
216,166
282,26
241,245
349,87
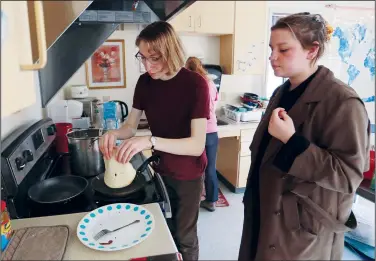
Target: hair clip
x,y
329,31
316,18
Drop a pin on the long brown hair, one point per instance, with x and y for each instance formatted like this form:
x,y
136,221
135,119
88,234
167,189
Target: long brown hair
x,y
194,64
162,39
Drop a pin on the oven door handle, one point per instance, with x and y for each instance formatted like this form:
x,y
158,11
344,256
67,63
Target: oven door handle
x,y
166,198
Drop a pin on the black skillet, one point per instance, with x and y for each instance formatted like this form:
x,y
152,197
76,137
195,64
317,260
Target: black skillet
x,y
58,189
138,183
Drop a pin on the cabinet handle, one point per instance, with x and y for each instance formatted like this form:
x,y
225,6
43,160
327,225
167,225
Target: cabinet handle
x,y
190,21
41,39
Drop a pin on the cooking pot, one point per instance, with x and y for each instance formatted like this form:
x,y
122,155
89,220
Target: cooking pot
x,y
85,157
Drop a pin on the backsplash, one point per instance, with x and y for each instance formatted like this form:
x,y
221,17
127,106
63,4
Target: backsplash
x,y
234,86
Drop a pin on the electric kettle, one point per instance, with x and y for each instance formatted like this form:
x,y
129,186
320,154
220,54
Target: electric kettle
x,y
121,113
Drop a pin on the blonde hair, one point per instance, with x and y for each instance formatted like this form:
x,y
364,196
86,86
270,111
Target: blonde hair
x,y
194,64
161,38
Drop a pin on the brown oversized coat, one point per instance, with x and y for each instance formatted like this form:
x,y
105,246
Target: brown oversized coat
x,y
305,212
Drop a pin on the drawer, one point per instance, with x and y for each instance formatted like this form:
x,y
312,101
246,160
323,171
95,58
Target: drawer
x,y
244,148
247,134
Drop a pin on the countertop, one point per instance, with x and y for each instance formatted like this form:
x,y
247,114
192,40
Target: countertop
x,y
159,242
233,128
365,191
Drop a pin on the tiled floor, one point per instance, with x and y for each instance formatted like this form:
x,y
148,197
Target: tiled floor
x,y
220,231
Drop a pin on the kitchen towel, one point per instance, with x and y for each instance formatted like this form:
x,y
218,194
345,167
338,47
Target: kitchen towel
x,y
37,243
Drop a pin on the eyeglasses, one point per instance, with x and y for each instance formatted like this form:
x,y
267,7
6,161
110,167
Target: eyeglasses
x,y
151,60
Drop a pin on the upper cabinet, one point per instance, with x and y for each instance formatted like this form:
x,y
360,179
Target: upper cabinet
x,y
17,67
250,44
206,17
184,21
29,28
244,52
58,16
242,26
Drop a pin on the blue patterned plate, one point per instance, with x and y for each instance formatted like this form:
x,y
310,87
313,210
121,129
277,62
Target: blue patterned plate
x,y
112,217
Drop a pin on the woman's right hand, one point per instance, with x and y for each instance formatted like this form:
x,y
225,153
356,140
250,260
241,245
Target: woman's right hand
x,y
107,142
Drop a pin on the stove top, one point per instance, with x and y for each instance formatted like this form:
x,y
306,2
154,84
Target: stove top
x,y
149,194
48,164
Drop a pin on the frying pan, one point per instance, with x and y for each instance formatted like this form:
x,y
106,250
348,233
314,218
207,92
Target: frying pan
x,y
57,189
138,183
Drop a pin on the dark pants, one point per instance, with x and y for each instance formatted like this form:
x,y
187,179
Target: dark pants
x,y
211,180
185,196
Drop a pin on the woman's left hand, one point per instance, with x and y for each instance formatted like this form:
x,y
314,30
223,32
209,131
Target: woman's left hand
x,y
281,125
128,148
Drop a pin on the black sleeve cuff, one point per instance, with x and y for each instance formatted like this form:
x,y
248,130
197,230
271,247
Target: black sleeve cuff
x,y
293,148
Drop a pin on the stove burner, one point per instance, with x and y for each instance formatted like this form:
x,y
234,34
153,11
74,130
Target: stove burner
x,y
99,186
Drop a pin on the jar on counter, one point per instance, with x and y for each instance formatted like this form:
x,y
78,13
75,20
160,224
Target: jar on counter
x,y
6,229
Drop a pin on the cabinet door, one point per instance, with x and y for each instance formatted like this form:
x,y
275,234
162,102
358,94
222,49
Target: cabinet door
x,y
58,16
244,165
214,17
184,21
17,86
250,41
228,159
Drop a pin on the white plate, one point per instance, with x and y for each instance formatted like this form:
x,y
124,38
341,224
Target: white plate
x,y
111,217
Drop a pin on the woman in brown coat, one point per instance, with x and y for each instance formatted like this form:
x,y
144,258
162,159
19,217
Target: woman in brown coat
x,y
308,153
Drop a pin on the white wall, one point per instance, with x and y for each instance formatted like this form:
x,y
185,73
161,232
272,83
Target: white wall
x,y
206,46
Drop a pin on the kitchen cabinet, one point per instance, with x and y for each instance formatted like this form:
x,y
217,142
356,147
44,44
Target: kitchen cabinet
x,y
245,52
58,16
206,17
234,159
17,72
30,28
183,22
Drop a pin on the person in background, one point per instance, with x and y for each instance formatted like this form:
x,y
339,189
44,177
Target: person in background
x,y
211,181
308,153
176,104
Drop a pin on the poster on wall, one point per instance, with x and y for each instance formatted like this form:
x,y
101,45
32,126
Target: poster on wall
x,y
105,69
352,49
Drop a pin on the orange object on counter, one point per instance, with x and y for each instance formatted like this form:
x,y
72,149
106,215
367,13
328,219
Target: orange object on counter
x,y
6,229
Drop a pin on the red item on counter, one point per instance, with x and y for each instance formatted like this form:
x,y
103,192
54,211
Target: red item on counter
x,y
3,206
369,174
62,128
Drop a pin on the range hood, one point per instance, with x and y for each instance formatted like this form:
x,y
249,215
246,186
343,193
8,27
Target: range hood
x,y
89,30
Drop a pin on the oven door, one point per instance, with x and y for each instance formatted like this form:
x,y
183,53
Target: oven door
x,y
165,204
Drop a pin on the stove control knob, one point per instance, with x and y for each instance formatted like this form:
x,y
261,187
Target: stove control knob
x,y
20,163
28,155
51,130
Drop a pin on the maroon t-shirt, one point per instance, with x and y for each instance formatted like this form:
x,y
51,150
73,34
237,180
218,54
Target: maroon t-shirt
x,y
169,108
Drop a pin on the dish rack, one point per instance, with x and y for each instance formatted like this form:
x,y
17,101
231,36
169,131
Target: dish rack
x,y
242,116
233,115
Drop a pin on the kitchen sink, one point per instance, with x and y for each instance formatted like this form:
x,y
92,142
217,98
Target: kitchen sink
x,y
221,123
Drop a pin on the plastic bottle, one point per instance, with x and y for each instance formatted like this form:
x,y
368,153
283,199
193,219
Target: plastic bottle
x,y
6,229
